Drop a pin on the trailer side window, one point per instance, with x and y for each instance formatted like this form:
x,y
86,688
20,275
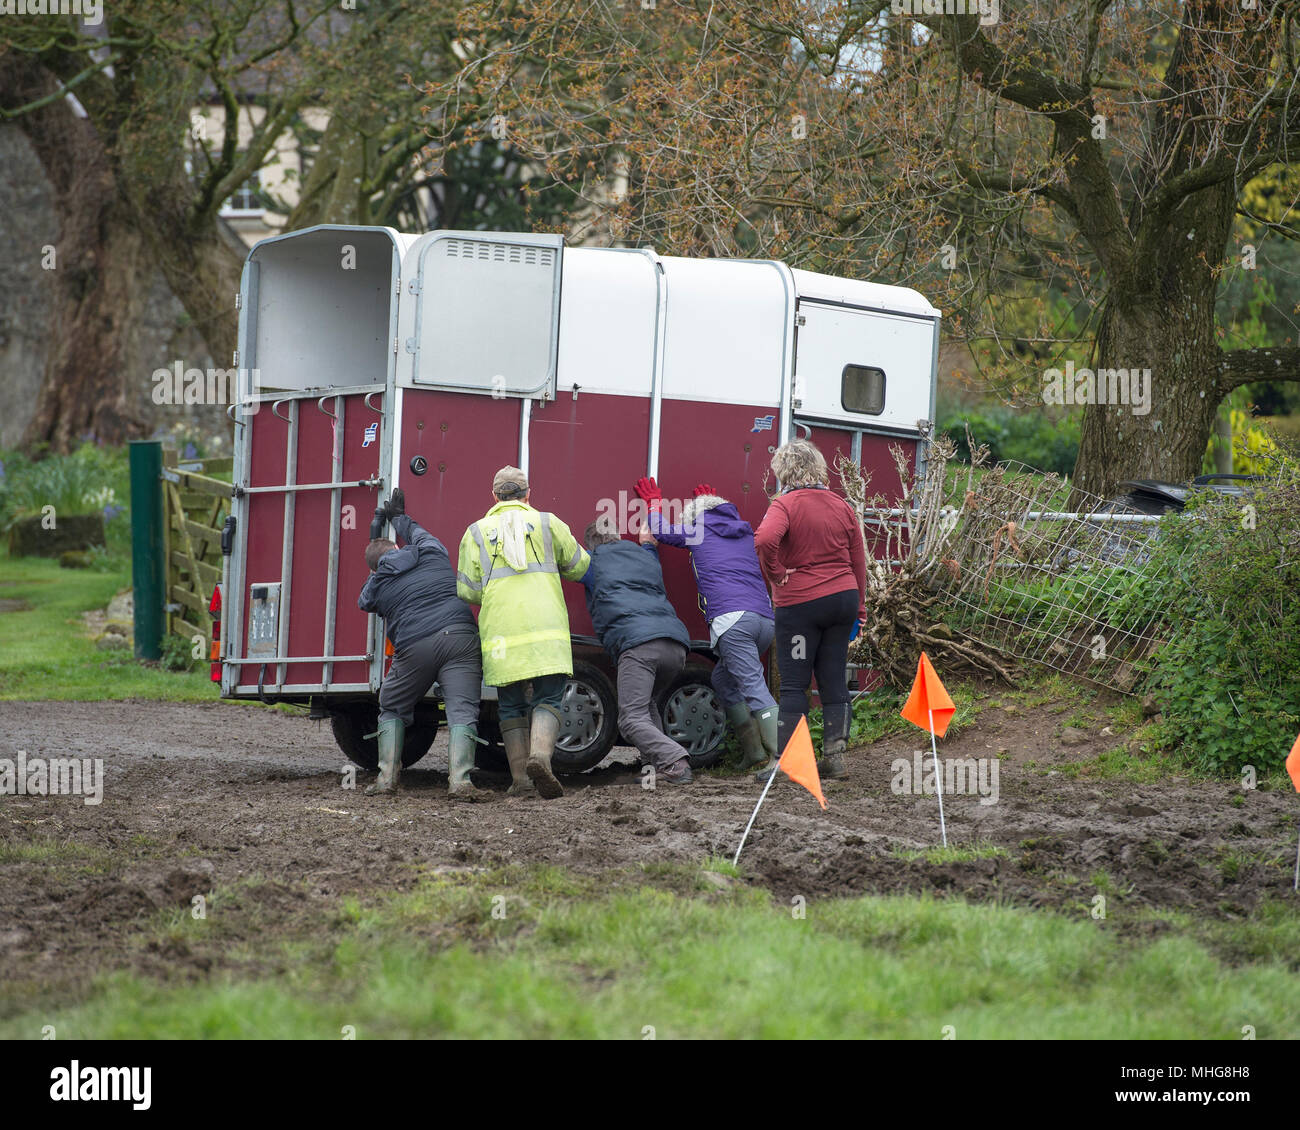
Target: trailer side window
x,y
862,389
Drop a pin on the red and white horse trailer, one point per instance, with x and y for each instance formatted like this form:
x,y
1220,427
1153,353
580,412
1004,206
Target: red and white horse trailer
x,y
372,360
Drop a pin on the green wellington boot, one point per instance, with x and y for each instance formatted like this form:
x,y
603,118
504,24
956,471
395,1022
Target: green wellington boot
x,y
741,720
765,723
514,736
835,736
545,730
460,763
391,735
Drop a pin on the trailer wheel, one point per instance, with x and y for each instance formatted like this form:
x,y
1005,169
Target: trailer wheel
x,y
351,723
588,720
693,718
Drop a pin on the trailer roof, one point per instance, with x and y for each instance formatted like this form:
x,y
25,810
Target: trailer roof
x,y
855,292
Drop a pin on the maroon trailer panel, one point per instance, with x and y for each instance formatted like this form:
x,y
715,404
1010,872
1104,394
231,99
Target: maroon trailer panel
x,y
832,443
464,439
309,570
581,454
362,445
267,440
878,462
701,442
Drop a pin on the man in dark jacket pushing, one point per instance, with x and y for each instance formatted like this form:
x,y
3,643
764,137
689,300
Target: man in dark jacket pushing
x,y
434,638
638,627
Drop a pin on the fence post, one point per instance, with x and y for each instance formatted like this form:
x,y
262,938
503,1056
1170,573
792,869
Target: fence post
x,y
148,544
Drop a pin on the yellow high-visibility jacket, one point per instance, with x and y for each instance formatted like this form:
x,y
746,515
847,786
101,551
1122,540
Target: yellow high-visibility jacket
x,y
523,625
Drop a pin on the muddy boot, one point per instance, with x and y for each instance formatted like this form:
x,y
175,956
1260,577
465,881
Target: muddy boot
x,y
765,721
391,735
545,729
678,773
743,726
460,762
514,736
835,734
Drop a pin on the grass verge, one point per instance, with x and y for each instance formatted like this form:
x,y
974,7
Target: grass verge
x,y
45,653
544,953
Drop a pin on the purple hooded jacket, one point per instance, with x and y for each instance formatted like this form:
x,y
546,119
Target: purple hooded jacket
x,y
722,554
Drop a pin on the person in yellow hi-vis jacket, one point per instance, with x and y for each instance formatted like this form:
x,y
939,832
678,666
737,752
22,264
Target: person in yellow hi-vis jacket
x,y
511,562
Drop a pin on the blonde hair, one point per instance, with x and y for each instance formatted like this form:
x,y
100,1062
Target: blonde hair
x,y
799,464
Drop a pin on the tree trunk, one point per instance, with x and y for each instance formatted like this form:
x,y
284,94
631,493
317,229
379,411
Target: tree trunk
x,y
1159,316
99,274
201,264
1164,417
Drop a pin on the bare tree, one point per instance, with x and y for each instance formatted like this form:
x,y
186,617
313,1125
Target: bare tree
x,y
1094,151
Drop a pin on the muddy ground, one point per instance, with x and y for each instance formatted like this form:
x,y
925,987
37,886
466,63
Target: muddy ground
x,y
199,797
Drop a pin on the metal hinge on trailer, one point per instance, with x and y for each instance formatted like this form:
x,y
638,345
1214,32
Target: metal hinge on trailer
x,y
800,320
394,346
239,300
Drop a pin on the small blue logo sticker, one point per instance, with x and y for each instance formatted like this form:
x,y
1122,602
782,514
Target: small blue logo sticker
x,y
763,423
372,434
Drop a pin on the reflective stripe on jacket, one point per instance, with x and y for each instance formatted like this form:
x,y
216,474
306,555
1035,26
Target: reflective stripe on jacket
x,y
523,624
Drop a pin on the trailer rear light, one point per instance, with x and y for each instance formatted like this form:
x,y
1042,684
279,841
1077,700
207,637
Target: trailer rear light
x,y
214,610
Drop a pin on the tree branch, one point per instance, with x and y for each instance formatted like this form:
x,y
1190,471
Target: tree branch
x,y
1244,366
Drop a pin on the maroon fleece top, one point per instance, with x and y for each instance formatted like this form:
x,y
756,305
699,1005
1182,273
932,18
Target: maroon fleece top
x,y
811,537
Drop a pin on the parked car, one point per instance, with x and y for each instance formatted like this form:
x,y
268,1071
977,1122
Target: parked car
x,y
1151,496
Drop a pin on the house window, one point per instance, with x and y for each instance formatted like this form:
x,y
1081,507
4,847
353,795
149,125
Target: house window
x,y
862,389
247,198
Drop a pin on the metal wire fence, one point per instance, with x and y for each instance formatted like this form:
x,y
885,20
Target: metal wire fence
x,y
1080,590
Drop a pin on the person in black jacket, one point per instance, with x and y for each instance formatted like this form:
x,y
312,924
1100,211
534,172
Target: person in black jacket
x,y
636,624
434,638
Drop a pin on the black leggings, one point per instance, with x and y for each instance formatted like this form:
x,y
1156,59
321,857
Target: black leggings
x,y
812,638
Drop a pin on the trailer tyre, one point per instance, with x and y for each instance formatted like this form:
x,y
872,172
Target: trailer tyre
x,y
588,720
588,725
693,718
351,724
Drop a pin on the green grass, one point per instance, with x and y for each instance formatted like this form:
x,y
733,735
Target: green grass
x,y
951,854
45,653
565,957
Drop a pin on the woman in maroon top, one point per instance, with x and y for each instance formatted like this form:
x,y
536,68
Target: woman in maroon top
x,y
810,546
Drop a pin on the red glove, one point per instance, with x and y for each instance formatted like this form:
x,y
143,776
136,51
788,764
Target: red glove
x,y
648,490
704,488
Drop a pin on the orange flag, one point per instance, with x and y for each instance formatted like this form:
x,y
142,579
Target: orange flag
x,y
928,695
799,763
1293,764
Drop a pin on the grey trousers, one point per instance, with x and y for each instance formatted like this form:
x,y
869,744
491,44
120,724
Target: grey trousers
x,y
738,675
453,659
643,672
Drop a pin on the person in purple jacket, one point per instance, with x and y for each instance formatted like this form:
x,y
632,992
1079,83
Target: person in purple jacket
x,y
734,600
